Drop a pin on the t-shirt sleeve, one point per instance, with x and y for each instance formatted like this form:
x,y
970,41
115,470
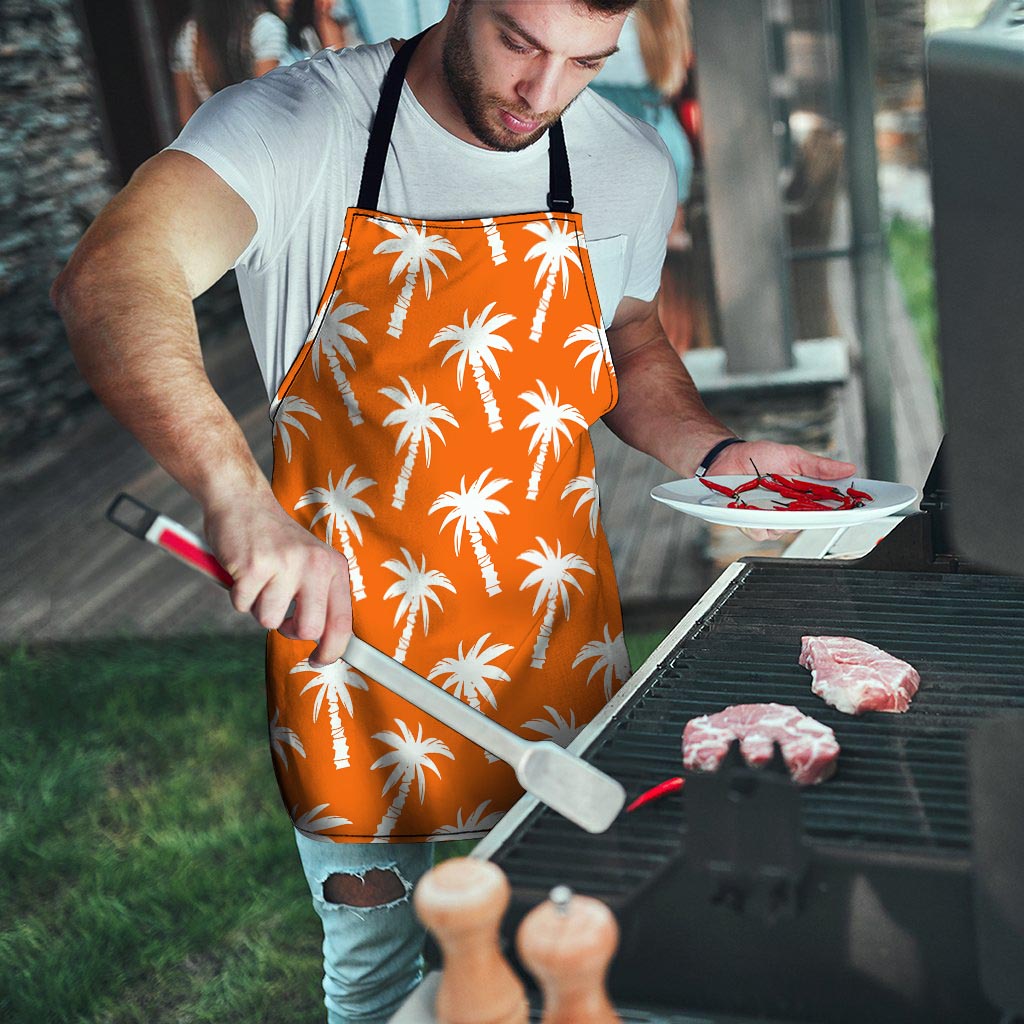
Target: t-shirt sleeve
x,y
269,38
649,250
267,139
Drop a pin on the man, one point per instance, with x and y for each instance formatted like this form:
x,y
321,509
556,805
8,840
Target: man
x,y
430,402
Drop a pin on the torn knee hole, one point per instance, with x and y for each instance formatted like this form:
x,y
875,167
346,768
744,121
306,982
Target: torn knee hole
x,y
374,889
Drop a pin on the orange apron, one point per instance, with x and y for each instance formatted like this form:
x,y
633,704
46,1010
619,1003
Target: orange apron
x,y
434,429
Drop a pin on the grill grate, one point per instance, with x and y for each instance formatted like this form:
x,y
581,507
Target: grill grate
x,y
902,779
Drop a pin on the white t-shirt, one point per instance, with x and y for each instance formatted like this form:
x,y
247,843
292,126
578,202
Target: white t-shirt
x,y
292,143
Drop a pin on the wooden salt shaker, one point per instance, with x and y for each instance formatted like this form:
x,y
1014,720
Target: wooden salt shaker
x,y
567,943
462,902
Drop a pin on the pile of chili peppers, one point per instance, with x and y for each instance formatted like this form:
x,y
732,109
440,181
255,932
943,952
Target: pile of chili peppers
x,y
800,495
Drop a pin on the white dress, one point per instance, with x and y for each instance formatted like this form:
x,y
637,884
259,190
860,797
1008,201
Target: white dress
x,y
268,40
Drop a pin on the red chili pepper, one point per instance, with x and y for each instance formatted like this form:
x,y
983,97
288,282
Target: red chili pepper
x,y
808,487
656,793
863,495
807,505
749,485
721,488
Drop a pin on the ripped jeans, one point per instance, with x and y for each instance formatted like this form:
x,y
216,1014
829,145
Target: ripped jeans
x,y
372,950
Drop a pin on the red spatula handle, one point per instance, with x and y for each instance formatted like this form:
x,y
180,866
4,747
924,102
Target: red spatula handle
x,y
147,524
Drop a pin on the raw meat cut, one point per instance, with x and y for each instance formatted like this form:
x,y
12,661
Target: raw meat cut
x,y
809,748
855,677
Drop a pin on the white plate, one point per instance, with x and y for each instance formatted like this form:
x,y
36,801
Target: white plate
x,y
693,498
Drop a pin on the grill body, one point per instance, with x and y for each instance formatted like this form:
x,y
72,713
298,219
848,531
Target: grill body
x,y
847,901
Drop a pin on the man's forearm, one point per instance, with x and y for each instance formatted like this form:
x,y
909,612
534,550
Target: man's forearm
x,y
660,411
133,333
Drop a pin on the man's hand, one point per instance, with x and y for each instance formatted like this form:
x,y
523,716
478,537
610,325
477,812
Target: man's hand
x,y
273,562
771,457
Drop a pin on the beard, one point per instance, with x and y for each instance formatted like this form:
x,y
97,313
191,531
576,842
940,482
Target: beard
x,y
478,107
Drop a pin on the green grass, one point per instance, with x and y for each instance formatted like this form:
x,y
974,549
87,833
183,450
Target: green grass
x,y
910,246
147,867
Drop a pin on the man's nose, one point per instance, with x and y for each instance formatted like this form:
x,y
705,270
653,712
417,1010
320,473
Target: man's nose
x,y
539,89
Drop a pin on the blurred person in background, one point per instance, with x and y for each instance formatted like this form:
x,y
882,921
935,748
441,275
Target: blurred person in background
x,y
373,21
647,74
314,25
223,42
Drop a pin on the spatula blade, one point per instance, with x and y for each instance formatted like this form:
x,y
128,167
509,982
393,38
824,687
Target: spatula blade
x,y
570,786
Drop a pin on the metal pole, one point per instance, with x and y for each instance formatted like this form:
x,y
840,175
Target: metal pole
x,y
867,235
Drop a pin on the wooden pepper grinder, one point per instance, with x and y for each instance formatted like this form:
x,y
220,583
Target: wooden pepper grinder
x,y
462,902
567,943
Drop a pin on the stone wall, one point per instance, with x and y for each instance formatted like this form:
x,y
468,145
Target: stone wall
x,y
54,178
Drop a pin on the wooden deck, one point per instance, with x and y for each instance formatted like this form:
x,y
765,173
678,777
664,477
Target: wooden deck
x,y
73,575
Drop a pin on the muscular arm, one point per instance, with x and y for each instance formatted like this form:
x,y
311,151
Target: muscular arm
x,y
126,300
660,412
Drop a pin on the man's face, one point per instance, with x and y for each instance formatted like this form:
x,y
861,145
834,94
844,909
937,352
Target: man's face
x,y
513,66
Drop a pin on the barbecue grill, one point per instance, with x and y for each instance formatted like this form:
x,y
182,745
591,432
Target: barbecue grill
x,y
894,892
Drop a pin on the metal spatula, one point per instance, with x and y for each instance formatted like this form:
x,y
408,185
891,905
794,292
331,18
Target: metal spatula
x,y
567,784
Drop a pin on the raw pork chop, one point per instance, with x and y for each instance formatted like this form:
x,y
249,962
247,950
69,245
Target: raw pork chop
x,y
809,748
855,677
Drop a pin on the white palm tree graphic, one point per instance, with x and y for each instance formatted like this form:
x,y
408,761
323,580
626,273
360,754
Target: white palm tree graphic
x,y
495,241
469,671
331,342
415,589
288,416
554,570
594,348
341,508
555,249
472,510
281,735
418,419
333,682
416,252
476,822
587,485
474,343
609,655
549,421
556,728
309,822
410,756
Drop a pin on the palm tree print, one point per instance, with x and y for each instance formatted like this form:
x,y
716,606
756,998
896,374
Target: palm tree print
x,y
554,570
281,735
476,822
333,682
469,672
418,418
587,485
415,590
288,416
341,509
556,728
411,754
555,251
610,656
474,343
310,823
594,349
549,420
495,241
471,511
331,342
417,251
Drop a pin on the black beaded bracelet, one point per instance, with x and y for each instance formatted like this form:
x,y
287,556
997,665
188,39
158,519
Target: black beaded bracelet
x,y
705,463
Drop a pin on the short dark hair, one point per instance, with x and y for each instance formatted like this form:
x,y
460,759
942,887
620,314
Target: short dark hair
x,y
609,6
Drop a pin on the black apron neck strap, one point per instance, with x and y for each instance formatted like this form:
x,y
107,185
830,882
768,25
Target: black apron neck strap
x,y
383,123
560,183
560,194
